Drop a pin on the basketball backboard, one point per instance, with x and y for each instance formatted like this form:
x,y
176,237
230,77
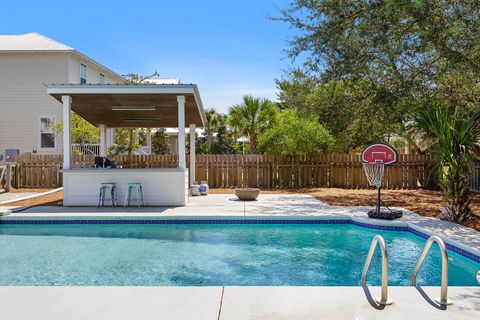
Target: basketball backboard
x,y
379,153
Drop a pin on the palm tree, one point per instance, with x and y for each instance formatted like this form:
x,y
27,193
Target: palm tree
x,y
212,121
453,135
251,118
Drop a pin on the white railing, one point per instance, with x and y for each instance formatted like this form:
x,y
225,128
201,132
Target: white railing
x,y
142,151
86,149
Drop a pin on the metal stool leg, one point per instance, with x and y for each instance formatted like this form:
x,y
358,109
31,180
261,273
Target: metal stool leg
x,y
112,191
100,197
114,197
126,197
104,191
138,196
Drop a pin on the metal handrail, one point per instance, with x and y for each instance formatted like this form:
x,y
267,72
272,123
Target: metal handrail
x,y
384,295
443,300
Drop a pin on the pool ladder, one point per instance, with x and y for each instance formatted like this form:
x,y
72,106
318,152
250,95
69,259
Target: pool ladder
x,y
383,300
443,300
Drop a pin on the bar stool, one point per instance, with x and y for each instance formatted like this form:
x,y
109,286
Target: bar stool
x,y
103,192
128,194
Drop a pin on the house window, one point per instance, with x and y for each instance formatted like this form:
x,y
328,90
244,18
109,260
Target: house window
x,y
83,73
47,134
101,78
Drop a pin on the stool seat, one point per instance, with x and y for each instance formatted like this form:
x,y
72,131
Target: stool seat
x,y
128,193
103,190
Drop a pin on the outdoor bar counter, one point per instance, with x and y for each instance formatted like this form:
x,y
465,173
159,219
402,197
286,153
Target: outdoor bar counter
x,y
161,186
130,106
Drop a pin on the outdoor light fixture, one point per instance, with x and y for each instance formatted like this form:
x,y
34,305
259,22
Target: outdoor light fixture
x,y
133,108
143,119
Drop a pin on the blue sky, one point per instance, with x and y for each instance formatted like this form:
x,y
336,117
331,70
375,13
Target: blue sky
x,y
229,48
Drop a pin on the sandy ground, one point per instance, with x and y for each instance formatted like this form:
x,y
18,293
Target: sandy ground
x,y
424,202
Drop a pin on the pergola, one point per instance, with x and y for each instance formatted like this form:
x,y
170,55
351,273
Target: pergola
x,y
129,106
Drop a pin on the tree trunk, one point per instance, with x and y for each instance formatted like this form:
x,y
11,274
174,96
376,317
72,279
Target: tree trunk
x,y
457,192
209,141
253,143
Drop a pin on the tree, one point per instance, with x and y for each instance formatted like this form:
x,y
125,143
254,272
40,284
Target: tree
x,y
400,52
295,136
212,120
453,135
251,118
126,138
126,141
160,143
222,142
83,132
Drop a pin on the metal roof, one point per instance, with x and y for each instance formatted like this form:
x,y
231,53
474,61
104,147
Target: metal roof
x,y
30,42
35,42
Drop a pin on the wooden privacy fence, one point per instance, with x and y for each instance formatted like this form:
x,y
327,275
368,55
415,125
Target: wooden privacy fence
x,y
227,171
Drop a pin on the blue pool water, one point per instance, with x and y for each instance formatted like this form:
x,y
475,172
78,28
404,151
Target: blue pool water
x,y
208,254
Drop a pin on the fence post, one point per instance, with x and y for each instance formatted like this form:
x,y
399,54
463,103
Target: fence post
x,y
57,173
8,177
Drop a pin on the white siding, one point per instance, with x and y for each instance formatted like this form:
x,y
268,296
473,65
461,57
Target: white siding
x,y
92,71
23,97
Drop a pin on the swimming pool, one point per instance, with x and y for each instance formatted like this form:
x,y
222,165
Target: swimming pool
x,y
213,254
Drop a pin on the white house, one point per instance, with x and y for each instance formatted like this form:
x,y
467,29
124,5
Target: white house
x,y
29,62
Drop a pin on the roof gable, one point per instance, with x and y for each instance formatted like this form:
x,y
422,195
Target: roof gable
x,y
31,42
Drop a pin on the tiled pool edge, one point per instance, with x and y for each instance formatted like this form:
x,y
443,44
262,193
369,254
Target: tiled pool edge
x,y
455,246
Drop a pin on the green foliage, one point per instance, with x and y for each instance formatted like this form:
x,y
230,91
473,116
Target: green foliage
x,y
295,136
82,131
223,143
251,118
375,62
125,141
453,135
213,120
160,143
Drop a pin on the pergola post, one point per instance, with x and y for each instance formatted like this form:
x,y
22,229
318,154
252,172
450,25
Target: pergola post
x,y
67,131
103,140
148,140
110,137
181,132
192,154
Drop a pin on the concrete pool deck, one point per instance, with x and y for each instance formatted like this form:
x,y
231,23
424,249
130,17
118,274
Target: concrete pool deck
x,y
230,303
239,302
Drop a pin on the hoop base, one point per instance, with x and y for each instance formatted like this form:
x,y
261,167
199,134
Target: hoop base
x,y
385,215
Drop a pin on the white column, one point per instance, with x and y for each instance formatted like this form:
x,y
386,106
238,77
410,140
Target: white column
x,y
67,131
148,140
103,140
192,154
110,137
181,132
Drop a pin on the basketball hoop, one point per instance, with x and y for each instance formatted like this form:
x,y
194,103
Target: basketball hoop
x,y
374,159
374,172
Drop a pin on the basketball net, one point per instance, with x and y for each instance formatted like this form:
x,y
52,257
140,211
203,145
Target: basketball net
x,y
374,172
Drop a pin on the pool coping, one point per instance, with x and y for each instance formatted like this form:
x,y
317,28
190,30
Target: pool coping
x,y
386,225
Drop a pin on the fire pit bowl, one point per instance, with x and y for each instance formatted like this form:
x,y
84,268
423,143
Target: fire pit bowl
x,y
247,194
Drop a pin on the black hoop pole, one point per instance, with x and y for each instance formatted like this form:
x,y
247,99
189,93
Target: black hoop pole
x,y
378,199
